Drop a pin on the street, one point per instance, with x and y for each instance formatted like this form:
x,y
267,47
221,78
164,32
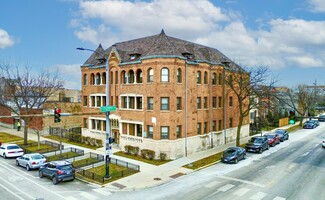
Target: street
x,y
294,169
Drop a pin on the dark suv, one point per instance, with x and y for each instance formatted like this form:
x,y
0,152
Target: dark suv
x,y
257,144
57,171
284,134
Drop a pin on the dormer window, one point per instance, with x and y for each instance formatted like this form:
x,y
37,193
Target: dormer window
x,y
133,56
187,55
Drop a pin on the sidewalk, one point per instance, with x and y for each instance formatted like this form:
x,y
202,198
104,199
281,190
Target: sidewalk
x,y
150,175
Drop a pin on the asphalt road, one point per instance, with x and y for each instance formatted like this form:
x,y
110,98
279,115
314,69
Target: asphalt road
x,y
294,169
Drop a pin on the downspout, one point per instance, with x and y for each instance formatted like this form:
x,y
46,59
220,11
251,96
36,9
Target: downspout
x,y
186,83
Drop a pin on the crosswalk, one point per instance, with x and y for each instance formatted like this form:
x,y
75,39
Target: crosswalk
x,y
240,192
99,193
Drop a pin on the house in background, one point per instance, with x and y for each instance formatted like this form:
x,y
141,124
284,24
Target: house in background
x,y
169,95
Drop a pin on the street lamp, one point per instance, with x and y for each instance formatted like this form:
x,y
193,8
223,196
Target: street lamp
x,y
108,147
225,64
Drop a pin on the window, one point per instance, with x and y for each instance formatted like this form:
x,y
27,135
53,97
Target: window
x,y
116,101
98,101
85,122
230,101
205,127
139,103
179,103
92,79
124,102
132,129
214,125
164,75
139,130
214,79
131,76
139,76
198,77
104,101
164,131
198,128
85,79
230,122
179,75
111,78
205,78
220,79
214,102
178,131
116,77
150,131
104,78
220,125
124,77
205,102
150,103
150,75
92,100
131,102
164,102
198,103
85,101
97,79
219,102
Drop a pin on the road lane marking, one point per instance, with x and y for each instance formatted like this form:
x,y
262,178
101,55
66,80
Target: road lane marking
x,y
11,192
70,198
8,183
102,192
241,191
305,154
226,187
88,196
279,198
212,184
242,181
258,196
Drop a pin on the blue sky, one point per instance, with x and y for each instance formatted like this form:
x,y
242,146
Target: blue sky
x,y
288,36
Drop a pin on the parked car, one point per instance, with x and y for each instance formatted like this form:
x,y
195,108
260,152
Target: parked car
x,y
316,122
323,143
257,144
233,155
283,134
57,171
273,139
31,161
321,118
10,150
309,125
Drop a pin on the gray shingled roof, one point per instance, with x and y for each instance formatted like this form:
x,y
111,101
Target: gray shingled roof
x,y
159,45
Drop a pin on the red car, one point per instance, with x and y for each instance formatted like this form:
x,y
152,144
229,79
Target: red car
x,y
273,139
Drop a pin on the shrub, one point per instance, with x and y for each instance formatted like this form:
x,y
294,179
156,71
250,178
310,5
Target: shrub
x,y
99,142
162,156
127,148
87,140
148,154
92,141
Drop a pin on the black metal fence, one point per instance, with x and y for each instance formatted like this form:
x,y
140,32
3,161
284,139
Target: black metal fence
x,y
125,164
52,147
65,154
57,130
94,158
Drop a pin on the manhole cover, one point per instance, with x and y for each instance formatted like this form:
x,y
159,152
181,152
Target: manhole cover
x,y
157,179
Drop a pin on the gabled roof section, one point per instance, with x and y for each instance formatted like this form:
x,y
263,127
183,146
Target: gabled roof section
x,y
97,57
162,45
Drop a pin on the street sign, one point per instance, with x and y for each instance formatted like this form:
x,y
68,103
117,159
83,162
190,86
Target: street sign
x,y
107,108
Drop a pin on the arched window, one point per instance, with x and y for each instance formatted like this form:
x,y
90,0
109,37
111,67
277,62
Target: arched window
x,y
111,78
92,79
150,75
179,75
97,79
124,77
104,78
214,79
85,79
116,77
131,76
205,79
164,75
198,77
139,76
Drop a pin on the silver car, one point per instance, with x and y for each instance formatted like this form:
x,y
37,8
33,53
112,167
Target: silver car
x,y
31,161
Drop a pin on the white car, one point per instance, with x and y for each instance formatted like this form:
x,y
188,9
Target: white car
x,y
10,150
323,143
31,161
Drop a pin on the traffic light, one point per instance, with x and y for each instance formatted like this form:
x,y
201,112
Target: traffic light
x,y
57,115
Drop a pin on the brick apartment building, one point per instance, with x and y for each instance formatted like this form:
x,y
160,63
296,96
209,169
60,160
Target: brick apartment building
x,y
168,92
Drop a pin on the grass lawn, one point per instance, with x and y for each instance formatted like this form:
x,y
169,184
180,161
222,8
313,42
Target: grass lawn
x,y
84,162
57,138
64,155
5,137
115,172
204,162
139,158
294,128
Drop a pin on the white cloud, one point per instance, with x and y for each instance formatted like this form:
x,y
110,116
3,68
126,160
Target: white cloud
x,y
317,5
278,43
5,39
71,74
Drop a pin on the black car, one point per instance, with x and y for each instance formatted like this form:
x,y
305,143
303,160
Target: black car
x,y
233,155
321,118
284,134
309,125
257,144
57,171
316,122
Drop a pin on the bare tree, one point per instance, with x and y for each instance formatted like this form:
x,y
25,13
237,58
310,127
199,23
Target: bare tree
x,y
26,92
299,99
246,83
